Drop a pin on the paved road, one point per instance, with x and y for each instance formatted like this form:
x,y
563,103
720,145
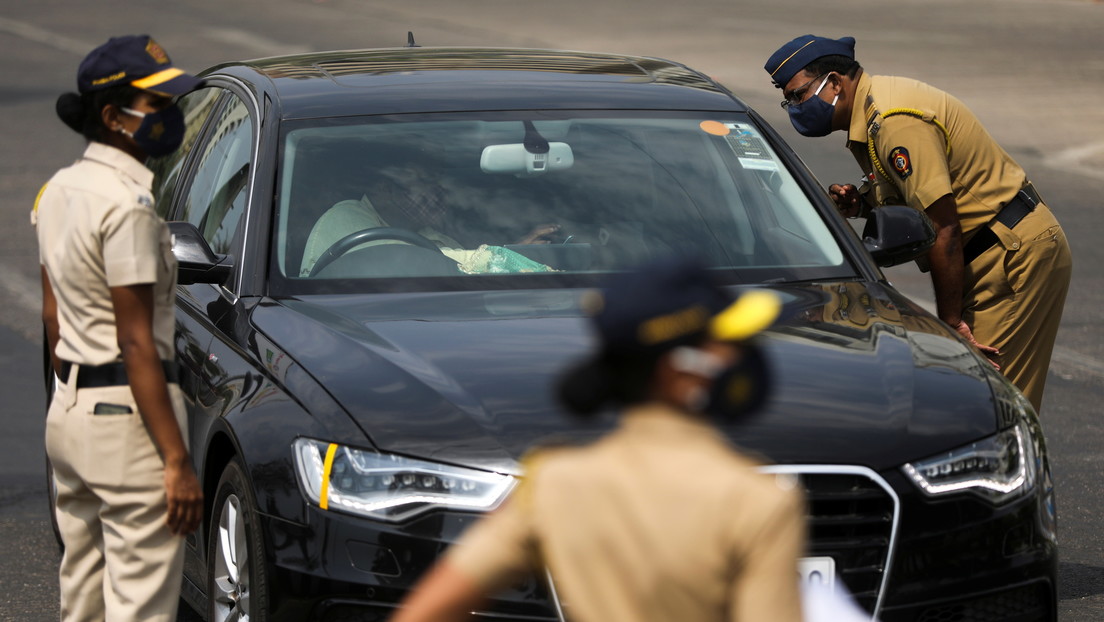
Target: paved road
x,y
1032,69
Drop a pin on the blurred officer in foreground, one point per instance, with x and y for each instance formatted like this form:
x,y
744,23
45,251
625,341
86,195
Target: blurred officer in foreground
x,y
661,519
1000,266
126,491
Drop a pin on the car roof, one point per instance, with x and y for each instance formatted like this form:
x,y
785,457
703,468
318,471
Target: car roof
x,y
417,79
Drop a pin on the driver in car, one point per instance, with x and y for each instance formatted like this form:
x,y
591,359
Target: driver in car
x,y
405,198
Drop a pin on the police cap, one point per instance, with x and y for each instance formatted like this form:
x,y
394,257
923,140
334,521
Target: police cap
x,y
791,58
671,302
136,60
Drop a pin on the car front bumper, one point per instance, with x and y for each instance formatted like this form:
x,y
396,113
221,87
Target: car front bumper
x,y
960,558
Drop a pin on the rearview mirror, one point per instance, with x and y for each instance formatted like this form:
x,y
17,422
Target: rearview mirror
x,y
895,234
517,160
197,262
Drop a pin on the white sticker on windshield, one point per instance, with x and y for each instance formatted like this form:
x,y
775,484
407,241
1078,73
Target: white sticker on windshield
x,y
749,147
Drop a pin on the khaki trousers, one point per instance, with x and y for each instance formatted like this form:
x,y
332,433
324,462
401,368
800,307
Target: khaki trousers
x,y
1015,294
121,563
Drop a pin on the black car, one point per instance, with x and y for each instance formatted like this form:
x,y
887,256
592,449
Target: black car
x,y
382,256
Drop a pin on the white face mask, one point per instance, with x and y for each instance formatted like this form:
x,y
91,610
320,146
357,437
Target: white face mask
x,y
732,388
696,361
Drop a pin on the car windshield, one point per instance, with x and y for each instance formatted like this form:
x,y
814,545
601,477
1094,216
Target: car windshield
x,y
534,199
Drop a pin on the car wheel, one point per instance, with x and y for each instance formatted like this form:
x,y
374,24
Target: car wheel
x,y
236,581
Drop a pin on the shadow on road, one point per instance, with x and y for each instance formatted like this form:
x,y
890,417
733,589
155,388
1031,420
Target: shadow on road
x,y
1079,580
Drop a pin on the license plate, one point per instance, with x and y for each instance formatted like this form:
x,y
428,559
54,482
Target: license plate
x,y
820,571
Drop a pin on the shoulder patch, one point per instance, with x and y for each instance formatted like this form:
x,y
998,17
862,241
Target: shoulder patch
x,y
902,164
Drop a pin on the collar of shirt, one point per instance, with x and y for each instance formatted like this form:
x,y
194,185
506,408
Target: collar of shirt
x,y
655,418
860,117
120,161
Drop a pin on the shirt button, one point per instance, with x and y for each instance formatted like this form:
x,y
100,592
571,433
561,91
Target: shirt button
x,y
1015,246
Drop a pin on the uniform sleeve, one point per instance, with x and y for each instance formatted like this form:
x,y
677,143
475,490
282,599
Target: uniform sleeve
x,y
766,582
913,153
131,246
48,198
499,548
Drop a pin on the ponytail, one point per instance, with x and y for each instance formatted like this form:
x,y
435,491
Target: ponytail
x,y
608,380
70,109
82,112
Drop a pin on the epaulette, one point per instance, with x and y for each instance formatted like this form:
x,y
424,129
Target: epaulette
x,y
874,126
34,210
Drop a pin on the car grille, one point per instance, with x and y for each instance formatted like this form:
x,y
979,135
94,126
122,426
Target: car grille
x,y
852,518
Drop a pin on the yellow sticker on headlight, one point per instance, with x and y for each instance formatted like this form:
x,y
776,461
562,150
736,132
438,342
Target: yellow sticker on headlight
x,y
327,466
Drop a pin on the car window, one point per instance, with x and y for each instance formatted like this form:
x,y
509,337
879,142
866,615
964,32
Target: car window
x,y
431,196
218,193
196,107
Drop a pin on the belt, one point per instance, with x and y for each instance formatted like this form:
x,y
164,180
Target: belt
x,y
1010,215
109,375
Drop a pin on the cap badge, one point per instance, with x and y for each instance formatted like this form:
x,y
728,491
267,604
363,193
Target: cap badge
x,y
157,53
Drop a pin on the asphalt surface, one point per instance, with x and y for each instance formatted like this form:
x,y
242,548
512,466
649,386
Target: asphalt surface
x,y
1032,70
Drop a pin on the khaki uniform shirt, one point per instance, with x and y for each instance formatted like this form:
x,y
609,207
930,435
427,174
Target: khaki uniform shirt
x,y
659,520
913,151
96,230
1014,291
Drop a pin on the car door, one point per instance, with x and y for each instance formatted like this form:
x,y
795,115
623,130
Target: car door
x,y
210,187
170,175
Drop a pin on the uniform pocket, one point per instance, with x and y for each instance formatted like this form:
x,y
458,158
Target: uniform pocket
x,y
117,450
987,279
1039,237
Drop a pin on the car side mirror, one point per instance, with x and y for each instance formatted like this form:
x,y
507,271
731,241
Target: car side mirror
x,y
197,263
895,234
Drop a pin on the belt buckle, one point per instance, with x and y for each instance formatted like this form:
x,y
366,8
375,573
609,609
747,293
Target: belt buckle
x,y
1030,195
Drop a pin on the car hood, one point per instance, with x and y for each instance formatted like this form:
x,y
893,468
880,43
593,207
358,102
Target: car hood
x,y
861,375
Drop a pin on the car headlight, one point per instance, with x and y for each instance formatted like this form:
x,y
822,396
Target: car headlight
x,y
389,487
1000,468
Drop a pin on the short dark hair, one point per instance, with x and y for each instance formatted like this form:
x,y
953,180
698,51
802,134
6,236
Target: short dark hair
x,y
837,63
82,112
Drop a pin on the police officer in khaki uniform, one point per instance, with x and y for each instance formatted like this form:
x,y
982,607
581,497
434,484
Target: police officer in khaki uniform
x,y
126,491
661,519
1001,265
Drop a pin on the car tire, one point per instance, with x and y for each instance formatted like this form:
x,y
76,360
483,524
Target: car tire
x,y
236,569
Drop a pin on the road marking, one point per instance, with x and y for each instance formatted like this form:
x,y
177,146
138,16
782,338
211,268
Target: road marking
x,y
23,296
254,44
45,37
1078,160
1064,360
239,38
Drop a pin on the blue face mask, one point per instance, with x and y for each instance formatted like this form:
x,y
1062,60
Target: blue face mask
x,y
813,117
161,132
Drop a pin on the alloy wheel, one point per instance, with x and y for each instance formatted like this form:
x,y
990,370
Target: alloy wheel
x,y
231,572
